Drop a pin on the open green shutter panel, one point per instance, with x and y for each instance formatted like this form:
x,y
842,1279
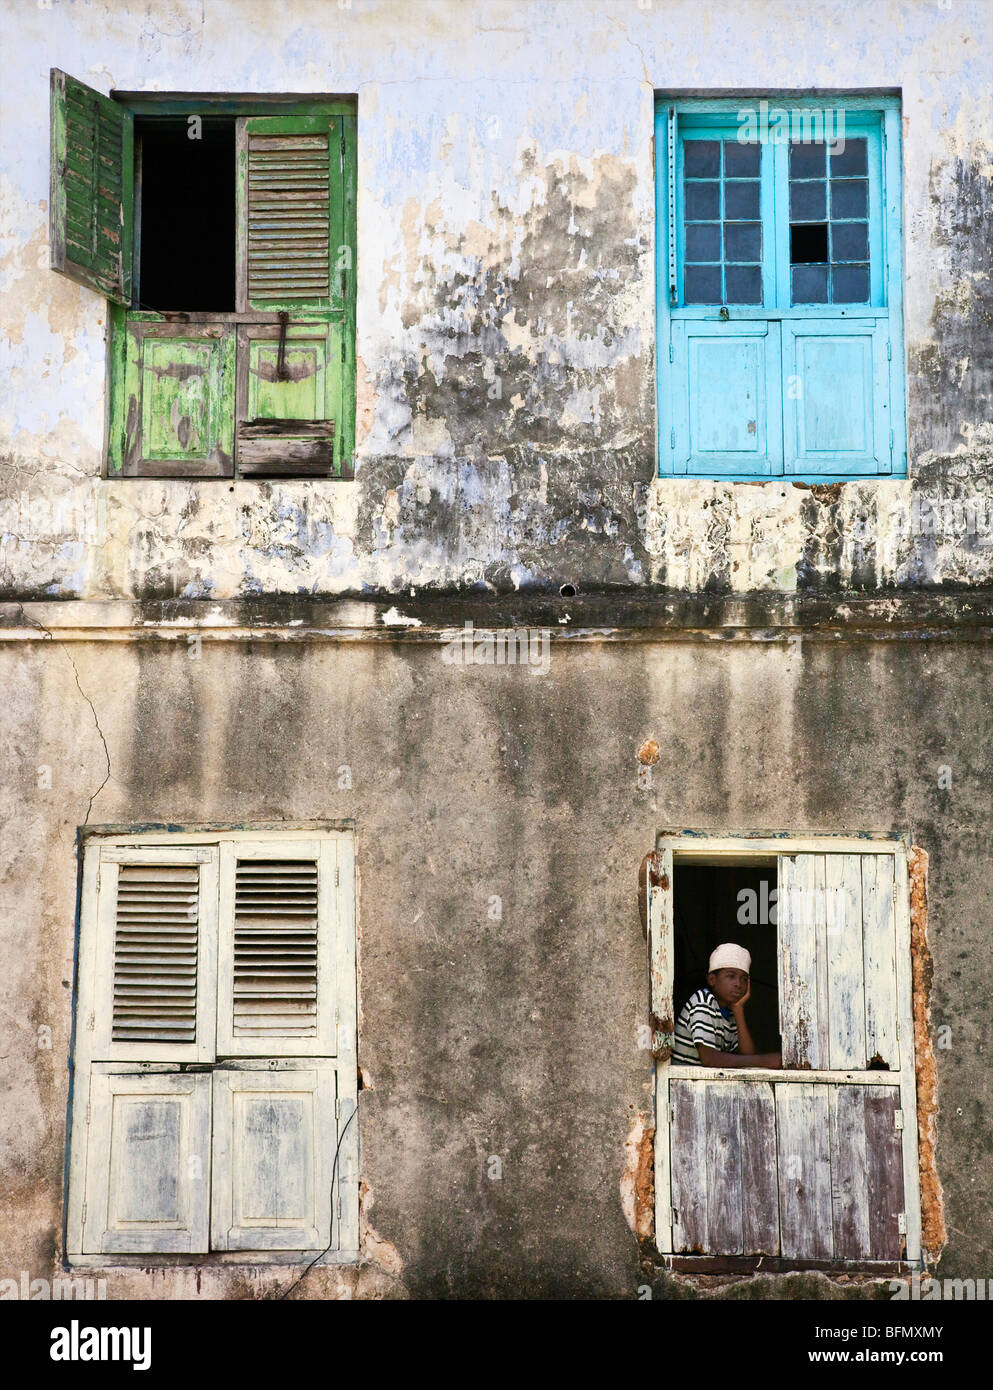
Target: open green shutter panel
x,y
290,215
92,177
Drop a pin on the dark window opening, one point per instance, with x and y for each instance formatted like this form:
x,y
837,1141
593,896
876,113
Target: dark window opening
x,y
714,904
186,213
809,244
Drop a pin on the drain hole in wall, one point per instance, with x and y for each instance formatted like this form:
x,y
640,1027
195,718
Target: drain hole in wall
x,y
568,591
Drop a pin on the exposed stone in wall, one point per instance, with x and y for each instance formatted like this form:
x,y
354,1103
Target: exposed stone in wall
x,y
933,1233
638,1178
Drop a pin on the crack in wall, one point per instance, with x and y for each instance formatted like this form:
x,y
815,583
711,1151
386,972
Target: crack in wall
x,y
39,627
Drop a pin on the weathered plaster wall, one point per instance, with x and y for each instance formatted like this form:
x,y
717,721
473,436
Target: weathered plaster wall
x,y
506,416
518,1037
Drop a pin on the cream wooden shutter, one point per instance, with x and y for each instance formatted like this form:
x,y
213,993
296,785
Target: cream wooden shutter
x,y
275,1138
153,980
277,968
147,1163
659,892
837,955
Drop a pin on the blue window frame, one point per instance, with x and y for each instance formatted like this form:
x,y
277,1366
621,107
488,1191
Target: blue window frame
x,y
779,288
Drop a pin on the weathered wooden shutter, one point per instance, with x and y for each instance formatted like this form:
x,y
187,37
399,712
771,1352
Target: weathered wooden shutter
x,y
155,960
837,960
659,892
147,1163
277,950
275,1139
806,1171
92,176
725,1198
179,383
290,213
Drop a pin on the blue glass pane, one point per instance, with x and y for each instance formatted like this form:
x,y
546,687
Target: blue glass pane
x,y
744,284
702,159
741,161
743,241
849,241
741,200
807,161
850,284
849,198
850,160
703,201
810,284
703,241
702,284
808,201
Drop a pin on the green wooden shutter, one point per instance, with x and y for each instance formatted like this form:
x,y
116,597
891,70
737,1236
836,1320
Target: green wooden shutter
x,y
290,213
92,180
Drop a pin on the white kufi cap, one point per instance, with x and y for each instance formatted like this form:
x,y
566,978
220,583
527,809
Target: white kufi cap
x,y
728,956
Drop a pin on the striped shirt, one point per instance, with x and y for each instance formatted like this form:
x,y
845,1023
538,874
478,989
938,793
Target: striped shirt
x,y
702,1020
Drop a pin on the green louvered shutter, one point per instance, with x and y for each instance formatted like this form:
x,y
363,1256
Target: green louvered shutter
x,y
92,181
290,213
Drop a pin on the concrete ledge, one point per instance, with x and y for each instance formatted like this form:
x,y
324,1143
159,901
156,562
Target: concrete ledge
x,y
606,616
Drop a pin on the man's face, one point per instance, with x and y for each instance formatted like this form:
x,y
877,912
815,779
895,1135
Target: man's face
x,y
728,985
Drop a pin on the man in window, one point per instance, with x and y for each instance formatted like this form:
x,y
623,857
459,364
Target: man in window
x,y
711,1030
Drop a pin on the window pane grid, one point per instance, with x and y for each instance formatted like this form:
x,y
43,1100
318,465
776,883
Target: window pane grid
x,y
722,226
829,223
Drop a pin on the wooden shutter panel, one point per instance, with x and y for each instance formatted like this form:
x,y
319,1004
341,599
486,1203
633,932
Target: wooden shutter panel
x,y
92,176
837,958
277,949
290,212
147,1163
155,990
659,870
274,1145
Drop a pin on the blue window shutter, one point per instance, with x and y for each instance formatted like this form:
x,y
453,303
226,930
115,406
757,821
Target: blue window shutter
x,y
727,410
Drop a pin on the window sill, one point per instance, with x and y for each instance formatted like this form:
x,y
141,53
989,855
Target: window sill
x,y
212,1259
795,1074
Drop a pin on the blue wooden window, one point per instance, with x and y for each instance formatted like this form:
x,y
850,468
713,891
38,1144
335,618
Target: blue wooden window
x,y
779,289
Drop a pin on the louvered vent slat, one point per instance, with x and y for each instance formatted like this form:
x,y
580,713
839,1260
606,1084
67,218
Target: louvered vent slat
x,y
155,953
288,203
275,948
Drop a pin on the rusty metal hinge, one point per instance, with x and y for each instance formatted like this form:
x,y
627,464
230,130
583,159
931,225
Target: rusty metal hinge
x,y
281,373
901,1223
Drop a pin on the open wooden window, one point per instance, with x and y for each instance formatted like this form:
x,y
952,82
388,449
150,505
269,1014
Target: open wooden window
x,y
214,1067
813,1164
223,233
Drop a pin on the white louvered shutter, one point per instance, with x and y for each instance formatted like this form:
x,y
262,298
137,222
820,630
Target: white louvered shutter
x,y
277,967
154,969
